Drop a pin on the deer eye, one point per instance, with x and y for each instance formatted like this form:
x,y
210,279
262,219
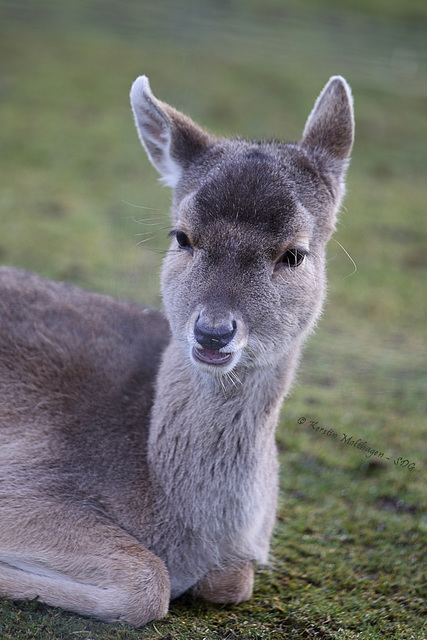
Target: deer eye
x,y
291,258
183,241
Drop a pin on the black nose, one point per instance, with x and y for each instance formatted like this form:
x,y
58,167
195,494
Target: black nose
x,y
214,336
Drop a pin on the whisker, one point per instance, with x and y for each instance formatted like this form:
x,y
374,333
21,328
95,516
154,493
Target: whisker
x,y
224,390
229,379
142,241
147,221
144,233
234,378
140,206
349,257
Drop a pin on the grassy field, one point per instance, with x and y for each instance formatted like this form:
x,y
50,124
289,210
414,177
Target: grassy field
x,y
80,202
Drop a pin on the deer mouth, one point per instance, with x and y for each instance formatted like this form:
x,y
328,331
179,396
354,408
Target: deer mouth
x,y
212,357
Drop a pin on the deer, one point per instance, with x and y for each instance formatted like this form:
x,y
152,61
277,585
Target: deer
x,y
138,459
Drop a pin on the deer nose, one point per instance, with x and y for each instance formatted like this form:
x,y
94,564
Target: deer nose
x,y
214,336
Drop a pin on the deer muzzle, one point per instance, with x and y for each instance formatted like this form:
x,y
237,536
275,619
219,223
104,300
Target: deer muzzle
x,y
213,336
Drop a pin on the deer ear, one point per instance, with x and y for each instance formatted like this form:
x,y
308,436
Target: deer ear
x,y
330,126
171,140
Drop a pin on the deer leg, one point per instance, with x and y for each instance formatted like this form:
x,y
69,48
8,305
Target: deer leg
x,y
83,563
228,584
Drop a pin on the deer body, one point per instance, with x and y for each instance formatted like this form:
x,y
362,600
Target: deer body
x,y
137,452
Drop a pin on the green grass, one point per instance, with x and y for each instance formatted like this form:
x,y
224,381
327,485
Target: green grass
x,y
76,190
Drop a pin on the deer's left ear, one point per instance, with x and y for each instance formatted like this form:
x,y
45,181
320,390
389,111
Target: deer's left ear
x,y
171,140
330,126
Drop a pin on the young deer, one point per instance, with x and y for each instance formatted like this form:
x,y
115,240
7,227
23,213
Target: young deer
x,y
137,452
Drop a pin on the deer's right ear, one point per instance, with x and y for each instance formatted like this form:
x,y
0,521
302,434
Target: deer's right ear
x,y
170,139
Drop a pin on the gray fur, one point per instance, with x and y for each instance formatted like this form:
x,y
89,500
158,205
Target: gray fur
x,y
137,452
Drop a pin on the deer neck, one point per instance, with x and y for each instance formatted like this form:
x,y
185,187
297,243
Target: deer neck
x,y
222,431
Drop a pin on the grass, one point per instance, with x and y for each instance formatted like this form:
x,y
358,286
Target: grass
x,y
76,192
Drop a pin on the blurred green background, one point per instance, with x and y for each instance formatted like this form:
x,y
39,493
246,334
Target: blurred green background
x,y
79,201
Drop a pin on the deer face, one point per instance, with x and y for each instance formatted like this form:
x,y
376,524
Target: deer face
x,y
244,276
